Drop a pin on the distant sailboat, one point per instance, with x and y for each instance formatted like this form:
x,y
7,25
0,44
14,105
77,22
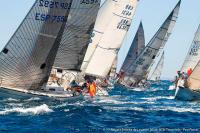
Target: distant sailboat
x,y
28,58
156,74
137,45
139,68
192,61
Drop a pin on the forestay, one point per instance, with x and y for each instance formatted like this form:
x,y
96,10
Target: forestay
x,y
76,36
135,49
158,69
140,67
112,38
193,55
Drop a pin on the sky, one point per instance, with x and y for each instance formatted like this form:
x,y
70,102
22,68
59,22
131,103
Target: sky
x,y
152,13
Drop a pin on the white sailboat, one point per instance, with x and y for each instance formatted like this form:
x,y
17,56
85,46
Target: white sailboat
x,y
28,58
139,68
192,60
156,74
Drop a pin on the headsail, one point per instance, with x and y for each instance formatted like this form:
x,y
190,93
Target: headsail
x,y
193,55
194,78
109,44
76,36
135,49
158,69
102,21
140,66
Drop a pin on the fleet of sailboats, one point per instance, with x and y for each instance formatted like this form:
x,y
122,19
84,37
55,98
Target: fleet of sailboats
x,y
62,42
139,68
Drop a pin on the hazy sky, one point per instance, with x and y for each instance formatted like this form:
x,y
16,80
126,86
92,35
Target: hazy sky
x,y
151,12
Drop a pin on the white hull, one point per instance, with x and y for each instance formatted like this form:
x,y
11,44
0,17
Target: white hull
x,y
53,92
186,94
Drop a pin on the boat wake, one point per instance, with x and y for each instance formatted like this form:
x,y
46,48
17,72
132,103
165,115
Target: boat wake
x,y
42,109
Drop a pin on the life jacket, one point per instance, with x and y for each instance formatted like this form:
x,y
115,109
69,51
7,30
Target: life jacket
x,y
92,89
189,72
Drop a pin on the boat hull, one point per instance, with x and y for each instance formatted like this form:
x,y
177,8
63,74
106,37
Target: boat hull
x,y
186,94
17,93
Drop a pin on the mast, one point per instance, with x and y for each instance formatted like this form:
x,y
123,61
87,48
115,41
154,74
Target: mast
x,y
140,66
158,69
138,44
112,38
193,55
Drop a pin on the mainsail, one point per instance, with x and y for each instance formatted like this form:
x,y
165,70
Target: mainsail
x,y
135,49
27,59
112,38
193,55
76,36
158,69
140,66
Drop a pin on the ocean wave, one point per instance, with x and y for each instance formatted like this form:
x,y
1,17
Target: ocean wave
x,y
123,108
33,110
158,98
11,100
176,109
33,99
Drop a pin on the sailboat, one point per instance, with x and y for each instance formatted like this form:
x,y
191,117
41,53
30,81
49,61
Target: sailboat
x,y
156,74
108,35
139,68
137,45
29,57
192,61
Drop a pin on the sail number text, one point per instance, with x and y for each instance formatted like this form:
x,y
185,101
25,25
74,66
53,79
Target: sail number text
x,y
125,22
49,18
54,4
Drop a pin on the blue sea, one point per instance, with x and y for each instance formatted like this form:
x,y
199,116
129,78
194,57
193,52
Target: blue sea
x,y
125,110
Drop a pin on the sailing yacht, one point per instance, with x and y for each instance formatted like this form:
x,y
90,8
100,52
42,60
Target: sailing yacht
x,y
192,61
137,45
156,74
140,67
54,34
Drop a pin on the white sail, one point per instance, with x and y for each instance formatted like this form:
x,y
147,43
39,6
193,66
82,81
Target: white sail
x,y
193,55
194,79
112,38
140,66
102,21
158,69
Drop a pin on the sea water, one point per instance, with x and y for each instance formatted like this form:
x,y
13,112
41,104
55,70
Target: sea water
x,y
125,110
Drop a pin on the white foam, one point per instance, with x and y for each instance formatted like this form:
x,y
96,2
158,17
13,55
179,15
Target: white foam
x,y
158,97
11,99
172,87
176,109
124,108
33,99
33,110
